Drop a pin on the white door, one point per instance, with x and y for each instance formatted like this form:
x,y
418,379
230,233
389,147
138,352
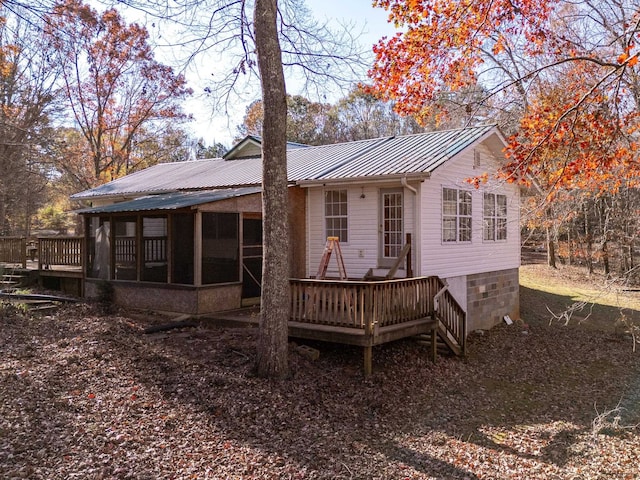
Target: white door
x,y
391,226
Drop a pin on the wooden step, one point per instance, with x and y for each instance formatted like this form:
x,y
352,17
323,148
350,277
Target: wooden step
x,y
451,343
13,280
443,342
442,348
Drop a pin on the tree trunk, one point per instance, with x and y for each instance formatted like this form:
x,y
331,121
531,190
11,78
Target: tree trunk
x,y
551,250
589,240
550,238
272,358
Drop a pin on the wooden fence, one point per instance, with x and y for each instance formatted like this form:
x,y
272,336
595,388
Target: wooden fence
x,y
13,250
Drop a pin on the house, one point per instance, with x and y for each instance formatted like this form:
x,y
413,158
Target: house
x,y
186,237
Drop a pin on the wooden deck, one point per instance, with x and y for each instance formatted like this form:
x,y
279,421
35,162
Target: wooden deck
x,y
57,262
369,313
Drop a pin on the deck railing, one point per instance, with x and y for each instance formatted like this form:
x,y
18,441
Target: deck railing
x,y
67,251
361,304
13,250
368,305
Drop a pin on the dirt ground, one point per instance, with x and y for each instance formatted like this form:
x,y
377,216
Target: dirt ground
x,y
91,396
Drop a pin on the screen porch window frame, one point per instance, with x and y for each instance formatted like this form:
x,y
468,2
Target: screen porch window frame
x,y
336,214
457,210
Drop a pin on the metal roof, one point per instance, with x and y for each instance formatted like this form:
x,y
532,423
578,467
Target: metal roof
x,y
313,162
172,201
400,155
409,154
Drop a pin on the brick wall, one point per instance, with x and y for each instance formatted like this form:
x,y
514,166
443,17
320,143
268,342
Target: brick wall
x,y
491,296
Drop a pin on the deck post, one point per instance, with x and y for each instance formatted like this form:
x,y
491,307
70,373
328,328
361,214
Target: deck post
x,y
434,343
369,332
368,360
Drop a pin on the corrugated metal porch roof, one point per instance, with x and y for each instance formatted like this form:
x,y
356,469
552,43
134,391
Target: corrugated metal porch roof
x,y
172,201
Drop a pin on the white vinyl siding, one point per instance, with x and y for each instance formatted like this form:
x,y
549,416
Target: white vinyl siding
x,y
361,252
454,259
431,255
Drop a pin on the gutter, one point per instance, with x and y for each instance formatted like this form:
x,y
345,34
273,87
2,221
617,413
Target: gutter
x,y
402,177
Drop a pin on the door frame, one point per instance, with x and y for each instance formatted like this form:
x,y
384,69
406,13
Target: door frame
x,y
387,261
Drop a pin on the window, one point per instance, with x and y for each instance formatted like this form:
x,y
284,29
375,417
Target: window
x,y
220,248
99,249
335,214
182,249
495,217
141,248
125,248
154,249
456,215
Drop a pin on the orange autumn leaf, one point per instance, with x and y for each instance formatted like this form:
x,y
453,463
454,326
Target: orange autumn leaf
x,y
569,103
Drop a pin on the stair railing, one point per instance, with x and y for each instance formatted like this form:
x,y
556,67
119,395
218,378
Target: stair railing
x,y
450,315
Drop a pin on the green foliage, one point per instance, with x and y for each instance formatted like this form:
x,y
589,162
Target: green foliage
x,y
10,310
55,217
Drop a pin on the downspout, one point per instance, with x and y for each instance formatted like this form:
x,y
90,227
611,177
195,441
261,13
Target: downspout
x,y
406,185
416,223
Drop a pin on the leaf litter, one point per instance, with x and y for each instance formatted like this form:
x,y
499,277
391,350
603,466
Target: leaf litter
x,y
84,395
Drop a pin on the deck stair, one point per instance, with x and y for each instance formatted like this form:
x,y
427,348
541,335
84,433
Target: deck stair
x,y
11,281
452,322
444,343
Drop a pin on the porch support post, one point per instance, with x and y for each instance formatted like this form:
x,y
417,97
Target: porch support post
x,y
197,250
169,247
409,259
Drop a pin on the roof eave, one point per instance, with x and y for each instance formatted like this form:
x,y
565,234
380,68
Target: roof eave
x,y
118,196
364,179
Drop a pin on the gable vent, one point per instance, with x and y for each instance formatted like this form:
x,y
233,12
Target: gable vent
x,y
476,159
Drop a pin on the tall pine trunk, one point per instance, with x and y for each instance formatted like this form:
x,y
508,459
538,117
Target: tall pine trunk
x,y
272,358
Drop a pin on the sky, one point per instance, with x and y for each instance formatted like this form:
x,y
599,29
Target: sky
x,y
371,22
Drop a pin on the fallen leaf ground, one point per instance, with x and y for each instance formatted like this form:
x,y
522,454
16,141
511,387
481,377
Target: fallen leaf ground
x,y
84,395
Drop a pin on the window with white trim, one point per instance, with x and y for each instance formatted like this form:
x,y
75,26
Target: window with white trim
x,y
494,217
456,215
335,214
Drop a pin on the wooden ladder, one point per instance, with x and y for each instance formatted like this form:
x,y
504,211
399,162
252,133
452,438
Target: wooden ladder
x,y
333,243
